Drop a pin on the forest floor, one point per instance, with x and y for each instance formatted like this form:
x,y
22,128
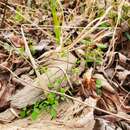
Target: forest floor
x,y
64,65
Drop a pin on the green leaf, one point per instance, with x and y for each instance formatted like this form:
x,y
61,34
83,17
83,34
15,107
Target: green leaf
x,y
32,49
35,113
58,81
62,90
78,61
98,61
102,46
50,85
20,50
57,28
100,12
98,91
104,25
18,16
98,83
22,114
63,53
28,112
76,70
98,86
51,98
86,41
53,113
43,69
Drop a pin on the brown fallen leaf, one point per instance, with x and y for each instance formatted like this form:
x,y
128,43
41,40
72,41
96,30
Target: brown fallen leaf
x,y
7,116
16,40
6,92
88,86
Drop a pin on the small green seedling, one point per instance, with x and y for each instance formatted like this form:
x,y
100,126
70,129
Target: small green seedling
x,y
49,105
102,46
75,70
18,16
87,41
104,25
62,90
98,86
43,69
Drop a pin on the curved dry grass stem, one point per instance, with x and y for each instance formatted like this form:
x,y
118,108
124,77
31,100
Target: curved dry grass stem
x,y
122,103
28,52
14,112
33,62
112,47
84,33
65,73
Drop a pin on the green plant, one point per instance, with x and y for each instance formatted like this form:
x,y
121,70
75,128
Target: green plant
x,y
94,53
98,86
57,29
100,12
113,15
62,90
56,83
63,53
126,11
32,47
94,56
49,105
18,18
75,70
7,47
87,41
104,25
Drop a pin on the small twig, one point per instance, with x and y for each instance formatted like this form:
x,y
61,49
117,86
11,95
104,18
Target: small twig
x,y
4,14
29,53
14,112
112,47
122,103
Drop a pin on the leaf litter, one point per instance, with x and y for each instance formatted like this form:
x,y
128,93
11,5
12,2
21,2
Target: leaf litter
x,y
65,63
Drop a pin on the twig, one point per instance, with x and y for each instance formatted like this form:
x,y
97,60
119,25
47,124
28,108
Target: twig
x,y
14,112
32,61
64,74
114,34
4,14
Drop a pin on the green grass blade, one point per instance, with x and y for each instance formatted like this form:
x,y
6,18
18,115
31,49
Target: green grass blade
x,y
57,29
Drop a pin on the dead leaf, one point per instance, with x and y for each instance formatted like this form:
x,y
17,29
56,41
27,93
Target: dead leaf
x,y
16,40
7,116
